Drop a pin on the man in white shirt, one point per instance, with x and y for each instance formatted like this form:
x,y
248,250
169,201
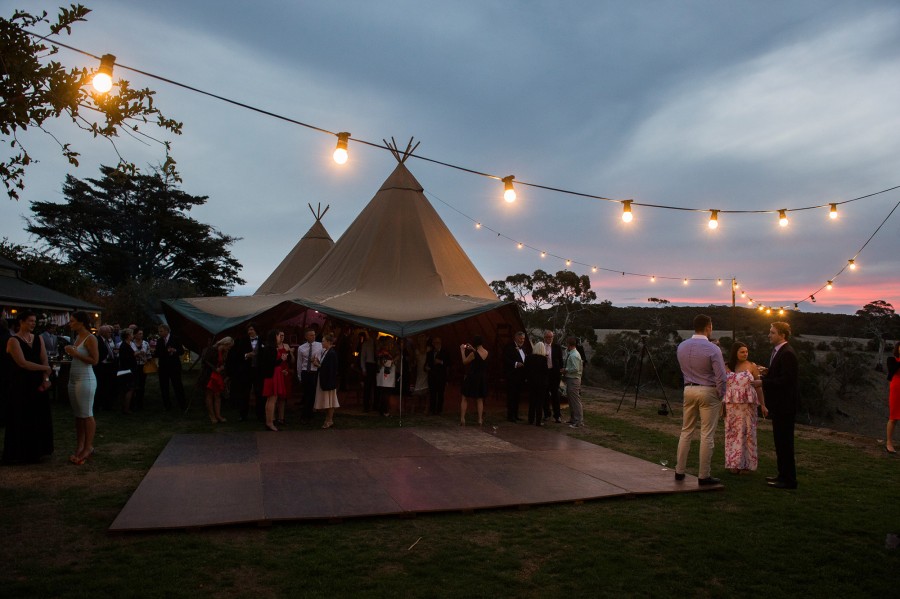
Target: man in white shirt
x,y
308,355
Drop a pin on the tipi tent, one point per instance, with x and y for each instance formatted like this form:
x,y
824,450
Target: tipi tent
x,y
308,251
396,269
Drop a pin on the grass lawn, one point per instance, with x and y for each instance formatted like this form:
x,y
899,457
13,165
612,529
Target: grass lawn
x,y
827,539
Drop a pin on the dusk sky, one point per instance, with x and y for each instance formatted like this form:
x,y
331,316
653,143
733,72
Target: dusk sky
x,y
705,105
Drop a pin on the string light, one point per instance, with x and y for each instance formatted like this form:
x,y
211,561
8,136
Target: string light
x,y
568,263
713,219
626,211
812,298
340,152
760,307
781,311
719,282
750,302
593,269
520,245
782,218
832,213
509,194
477,225
684,282
851,264
768,310
102,80
652,278
829,285
543,254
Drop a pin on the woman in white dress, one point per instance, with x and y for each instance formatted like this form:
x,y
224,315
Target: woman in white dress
x,y
82,385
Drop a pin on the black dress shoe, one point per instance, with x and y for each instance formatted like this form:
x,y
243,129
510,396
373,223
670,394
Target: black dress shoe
x,y
703,482
679,477
780,484
772,479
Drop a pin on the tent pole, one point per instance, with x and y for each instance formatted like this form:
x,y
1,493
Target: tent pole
x,y
402,382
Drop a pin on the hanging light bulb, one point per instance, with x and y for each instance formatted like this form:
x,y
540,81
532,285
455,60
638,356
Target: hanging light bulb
x,y
593,269
813,298
102,80
749,302
477,225
832,214
543,254
340,152
768,310
568,263
626,211
743,294
718,281
713,219
829,285
509,194
852,264
520,245
781,311
652,278
796,306
782,218
684,282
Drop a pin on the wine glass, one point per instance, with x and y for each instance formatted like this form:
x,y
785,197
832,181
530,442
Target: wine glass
x,y
664,462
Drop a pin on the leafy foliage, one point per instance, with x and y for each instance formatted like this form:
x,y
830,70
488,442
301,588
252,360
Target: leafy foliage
x,y
42,268
36,89
133,228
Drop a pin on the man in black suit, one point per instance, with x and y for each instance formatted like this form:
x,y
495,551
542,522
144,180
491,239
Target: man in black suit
x,y
554,366
168,353
105,368
514,366
781,389
436,362
242,370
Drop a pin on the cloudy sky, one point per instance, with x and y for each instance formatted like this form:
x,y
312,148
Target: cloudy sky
x,y
734,105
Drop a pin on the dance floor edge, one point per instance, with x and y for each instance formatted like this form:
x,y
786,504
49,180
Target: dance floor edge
x,y
258,478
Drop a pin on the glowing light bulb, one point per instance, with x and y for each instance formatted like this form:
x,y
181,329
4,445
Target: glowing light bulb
x,y
652,278
768,310
832,214
782,218
543,254
102,80
340,152
718,281
684,282
829,285
749,302
743,294
477,225
760,307
627,216
509,194
520,245
568,263
713,219
852,264
781,311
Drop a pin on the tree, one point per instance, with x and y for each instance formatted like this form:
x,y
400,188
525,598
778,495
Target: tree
x,y
567,294
43,269
519,288
36,89
134,228
878,317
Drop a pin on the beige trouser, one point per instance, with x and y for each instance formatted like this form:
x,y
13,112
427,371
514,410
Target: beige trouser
x,y
703,402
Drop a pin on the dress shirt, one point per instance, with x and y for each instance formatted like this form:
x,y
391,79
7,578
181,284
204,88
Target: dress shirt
x,y
366,354
702,363
775,351
573,364
308,351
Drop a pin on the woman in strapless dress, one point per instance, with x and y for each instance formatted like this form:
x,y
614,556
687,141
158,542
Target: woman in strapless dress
x,y
82,385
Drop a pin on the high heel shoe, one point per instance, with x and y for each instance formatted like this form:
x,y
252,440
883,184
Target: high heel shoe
x,y
328,425
76,460
271,428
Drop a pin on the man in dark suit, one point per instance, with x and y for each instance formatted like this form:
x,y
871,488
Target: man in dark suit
x,y
242,370
436,362
554,366
168,353
781,389
514,366
105,368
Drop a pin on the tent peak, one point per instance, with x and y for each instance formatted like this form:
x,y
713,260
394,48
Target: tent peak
x,y
401,156
318,212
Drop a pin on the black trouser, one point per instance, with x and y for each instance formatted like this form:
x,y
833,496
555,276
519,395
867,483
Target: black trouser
x,y
513,390
166,376
383,399
783,433
369,384
536,399
437,383
240,394
140,384
308,382
552,396
106,384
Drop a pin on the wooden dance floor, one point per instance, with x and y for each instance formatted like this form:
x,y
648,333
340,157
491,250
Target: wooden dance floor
x,y
259,478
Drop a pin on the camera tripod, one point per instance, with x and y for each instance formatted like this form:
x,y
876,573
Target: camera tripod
x,y
636,373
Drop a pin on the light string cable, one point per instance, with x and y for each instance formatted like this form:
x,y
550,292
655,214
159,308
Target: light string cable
x,y
811,297
383,146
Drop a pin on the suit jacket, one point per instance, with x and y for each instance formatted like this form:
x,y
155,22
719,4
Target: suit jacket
x,y
169,362
781,383
328,370
556,358
236,365
437,372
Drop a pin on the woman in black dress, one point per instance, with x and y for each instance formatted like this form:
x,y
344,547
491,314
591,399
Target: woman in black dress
x,y
475,384
536,374
29,427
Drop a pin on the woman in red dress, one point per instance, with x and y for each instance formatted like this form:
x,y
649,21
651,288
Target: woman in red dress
x,y
282,380
213,373
893,365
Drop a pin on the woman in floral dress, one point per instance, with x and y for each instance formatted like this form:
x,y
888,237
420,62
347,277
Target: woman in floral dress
x,y
742,396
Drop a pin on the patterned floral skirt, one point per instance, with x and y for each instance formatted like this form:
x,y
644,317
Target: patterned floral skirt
x,y
740,436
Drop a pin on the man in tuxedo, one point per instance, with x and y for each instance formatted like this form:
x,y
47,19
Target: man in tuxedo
x,y
168,354
514,365
781,389
554,366
242,370
436,362
105,368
